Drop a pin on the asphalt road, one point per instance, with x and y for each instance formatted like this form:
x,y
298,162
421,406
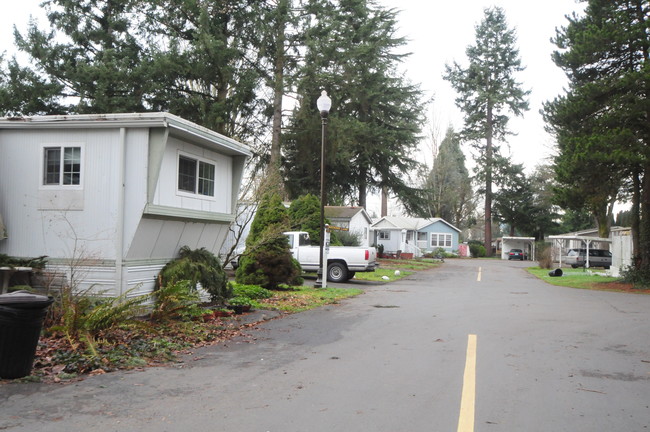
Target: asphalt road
x,y
394,359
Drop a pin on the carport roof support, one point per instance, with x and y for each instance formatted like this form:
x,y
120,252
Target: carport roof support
x,y
585,239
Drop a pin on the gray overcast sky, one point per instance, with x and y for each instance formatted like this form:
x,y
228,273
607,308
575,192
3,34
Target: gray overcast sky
x,y
439,31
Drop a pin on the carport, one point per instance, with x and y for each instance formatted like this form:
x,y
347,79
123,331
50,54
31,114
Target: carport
x,y
563,242
527,244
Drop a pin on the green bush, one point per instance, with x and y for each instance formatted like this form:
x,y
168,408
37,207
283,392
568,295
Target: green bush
x,y
239,301
198,266
268,268
250,291
477,250
347,238
637,277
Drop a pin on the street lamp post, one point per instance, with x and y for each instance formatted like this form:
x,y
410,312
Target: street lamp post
x,y
324,103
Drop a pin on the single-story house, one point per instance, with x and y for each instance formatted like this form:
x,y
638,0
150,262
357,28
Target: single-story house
x,y
415,236
355,219
110,199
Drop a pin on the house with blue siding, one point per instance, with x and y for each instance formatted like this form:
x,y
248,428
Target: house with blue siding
x,y
415,236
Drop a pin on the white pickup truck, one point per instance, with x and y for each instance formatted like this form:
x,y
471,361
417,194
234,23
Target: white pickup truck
x,y
342,261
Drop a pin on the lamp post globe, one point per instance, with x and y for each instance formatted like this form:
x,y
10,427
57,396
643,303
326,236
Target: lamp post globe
x,y
324,103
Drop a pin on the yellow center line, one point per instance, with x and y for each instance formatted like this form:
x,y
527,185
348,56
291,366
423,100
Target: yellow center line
x,y
478,278
468,398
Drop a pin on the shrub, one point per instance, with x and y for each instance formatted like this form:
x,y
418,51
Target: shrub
x,y
268,268
176,300
198,266
637,277
81,316
476,250
347,238
239,301
250,291
267,261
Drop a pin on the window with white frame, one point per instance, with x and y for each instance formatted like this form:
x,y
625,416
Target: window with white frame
x,y
195,176
440,240
384,235
61,166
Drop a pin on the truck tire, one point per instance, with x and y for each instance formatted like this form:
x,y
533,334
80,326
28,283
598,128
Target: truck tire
x,y
337,272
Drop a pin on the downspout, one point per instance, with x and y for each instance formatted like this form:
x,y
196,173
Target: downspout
x,y
119,237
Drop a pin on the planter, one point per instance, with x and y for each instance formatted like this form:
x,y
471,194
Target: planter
x,y
239,309
222,313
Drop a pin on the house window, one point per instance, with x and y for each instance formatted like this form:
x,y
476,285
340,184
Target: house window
x,y
440,240
384,235
195,176
61,166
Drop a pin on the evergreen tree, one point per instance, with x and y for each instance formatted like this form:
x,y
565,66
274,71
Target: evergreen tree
x,y
267,260
601,124
376,115
487,90
199,60
304,215
91,60
545,215
513,200
448,187
207,59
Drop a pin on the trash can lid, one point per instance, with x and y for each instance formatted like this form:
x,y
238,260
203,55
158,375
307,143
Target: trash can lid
x,y
22,297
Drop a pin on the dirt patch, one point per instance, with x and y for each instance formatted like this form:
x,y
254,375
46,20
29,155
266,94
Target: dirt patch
x,y
620,287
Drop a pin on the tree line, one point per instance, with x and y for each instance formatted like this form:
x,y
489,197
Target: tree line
x,y
249,69
253,69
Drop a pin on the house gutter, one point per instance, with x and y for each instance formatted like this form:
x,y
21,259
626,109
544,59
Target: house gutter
x,y
119,237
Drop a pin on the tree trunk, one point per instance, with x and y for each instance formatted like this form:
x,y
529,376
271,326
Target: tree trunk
x,y
636,222
644,228
363,192
384,201
488,184
278,87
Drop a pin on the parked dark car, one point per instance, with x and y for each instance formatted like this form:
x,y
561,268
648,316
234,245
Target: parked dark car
x,y
597,258
517,254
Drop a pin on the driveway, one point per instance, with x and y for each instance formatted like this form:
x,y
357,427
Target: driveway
x,y
541,358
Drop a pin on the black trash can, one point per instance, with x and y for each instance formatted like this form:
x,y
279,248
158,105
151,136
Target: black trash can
x,y
21,321
555,273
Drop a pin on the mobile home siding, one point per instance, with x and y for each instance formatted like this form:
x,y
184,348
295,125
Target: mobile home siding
x,y
125,219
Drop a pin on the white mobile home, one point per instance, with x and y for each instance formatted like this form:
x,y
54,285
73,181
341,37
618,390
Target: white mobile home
x,y
114,197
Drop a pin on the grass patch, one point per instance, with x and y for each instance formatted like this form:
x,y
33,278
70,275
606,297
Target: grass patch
x,y
578,278
303,298
418,264
378,275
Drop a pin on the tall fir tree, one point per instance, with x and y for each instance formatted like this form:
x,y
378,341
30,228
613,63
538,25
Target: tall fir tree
x,y
487,90
376,115
601,124
91,59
